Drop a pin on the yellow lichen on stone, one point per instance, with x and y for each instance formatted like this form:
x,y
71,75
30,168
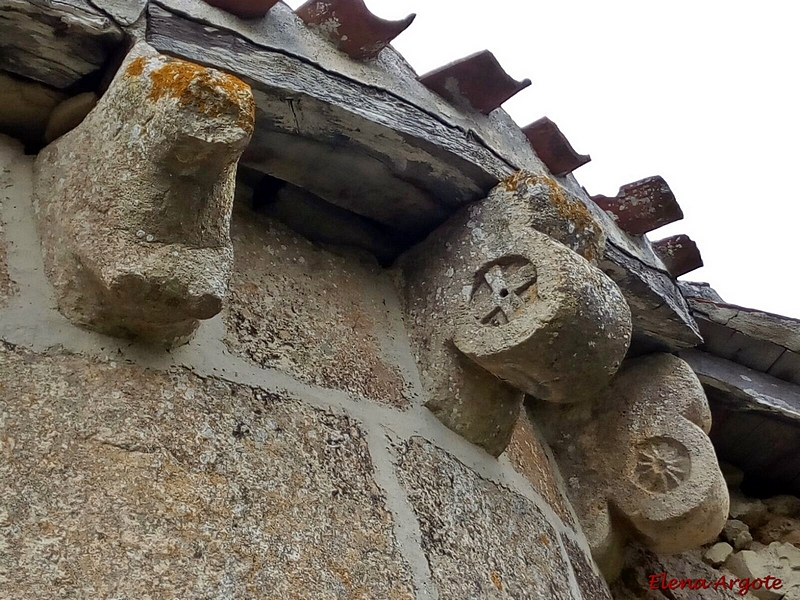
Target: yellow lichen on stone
x,y
211,92
569,209
136,67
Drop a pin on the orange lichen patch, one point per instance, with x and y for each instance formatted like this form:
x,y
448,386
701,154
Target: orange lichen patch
x,y
211,92
497,581
568,208
136,68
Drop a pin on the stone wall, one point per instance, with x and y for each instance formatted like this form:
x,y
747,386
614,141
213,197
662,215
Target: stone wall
x,y
285,452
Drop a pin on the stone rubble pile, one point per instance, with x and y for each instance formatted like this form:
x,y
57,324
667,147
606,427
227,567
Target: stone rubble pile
x,y
761,538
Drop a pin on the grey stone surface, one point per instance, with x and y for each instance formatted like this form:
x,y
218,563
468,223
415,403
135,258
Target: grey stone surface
x,y
779,529
638,462
121,482
718,554
8,150
751,511
531,314
323,316
737,534
56,42
777,560
591,584
25,108
784,505
134,204
481,540
124,12
6,284
528,456
553,210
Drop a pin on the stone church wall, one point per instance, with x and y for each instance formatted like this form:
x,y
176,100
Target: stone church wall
x,y
283,453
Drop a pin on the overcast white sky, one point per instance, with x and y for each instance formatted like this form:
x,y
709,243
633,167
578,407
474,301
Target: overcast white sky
x,y
705,93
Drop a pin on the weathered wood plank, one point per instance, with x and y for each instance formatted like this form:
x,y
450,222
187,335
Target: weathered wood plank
x,y
57,42
282,31
746,389
759,325
358,147
661,317
124,12
715,338
759,355
787,367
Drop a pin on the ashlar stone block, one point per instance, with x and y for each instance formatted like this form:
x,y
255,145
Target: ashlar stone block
x,y
481,540
117,481
134,204
498,308
638,461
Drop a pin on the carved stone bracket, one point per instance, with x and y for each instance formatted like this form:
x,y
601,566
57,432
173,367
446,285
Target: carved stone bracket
x,y
134,205
638,462
499,308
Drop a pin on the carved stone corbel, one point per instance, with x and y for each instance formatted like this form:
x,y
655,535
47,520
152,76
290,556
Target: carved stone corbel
x,y
638,461
498,309
134,205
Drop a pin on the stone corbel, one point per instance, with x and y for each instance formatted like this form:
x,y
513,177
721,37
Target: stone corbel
x,y
499,308
134,205
638,461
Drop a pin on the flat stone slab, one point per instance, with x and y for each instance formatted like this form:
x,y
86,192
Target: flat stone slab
x,y
746,389
55,42
121,481
481,540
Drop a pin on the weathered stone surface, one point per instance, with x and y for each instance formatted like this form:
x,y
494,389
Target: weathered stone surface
x,y
68,115
323,222
784,505
124,12
319,315
481,540
751,511
778,560
9,150
638,463
661,317
117,481
737,533
592,585
718,554
779,529
531,314
25,108
134,205
6,285
551,209
529,457
57,42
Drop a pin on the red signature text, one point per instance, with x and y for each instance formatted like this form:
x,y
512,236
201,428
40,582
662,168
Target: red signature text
x,y
741,586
